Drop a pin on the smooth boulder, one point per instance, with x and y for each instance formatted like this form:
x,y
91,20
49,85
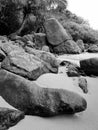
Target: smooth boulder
x,y
29,97
83,84
68,47
9,117
90,66
55,32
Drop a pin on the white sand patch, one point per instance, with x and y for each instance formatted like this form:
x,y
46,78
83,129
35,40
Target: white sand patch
x,y
59,81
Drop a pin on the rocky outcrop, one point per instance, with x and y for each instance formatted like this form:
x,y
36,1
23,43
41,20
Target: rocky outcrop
x,y
27,65
34,40
35,100
68,47
89,66
45,56
93,49
55,32
9,118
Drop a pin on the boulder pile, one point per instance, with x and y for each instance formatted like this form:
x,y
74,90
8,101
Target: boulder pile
x,y
32,35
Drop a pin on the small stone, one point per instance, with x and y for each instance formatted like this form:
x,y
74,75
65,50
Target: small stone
x,y
83,84
9,118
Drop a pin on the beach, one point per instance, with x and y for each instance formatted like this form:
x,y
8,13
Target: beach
x,y
87,120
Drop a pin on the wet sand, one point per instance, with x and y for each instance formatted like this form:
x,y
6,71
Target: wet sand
x,y
87,120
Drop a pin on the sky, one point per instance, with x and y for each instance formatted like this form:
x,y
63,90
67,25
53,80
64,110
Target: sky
x,y
87,9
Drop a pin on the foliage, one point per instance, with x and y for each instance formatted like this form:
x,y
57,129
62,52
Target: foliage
x,y
80,31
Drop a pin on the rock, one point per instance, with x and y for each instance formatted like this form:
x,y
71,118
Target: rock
x,y
45,48
29,65
83,84
10,46
68,47
93,49
72,69
45,56
9,118
34,100
40,40
2,55
55,32
80,44
34,40
3,39
89,66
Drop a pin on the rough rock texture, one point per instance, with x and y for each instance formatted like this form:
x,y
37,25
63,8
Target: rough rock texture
x,y
9,46
90,66
72,70
40,40
27,65
55,32
45,48
68,47
34,100
9,118
83,84
80,44
93,49
45,56
34,40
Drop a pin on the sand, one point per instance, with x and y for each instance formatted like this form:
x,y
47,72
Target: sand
x,y
87,120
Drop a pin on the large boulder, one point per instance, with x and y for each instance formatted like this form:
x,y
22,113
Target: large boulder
x,y
45,56
68,47
27,65
9,46
9,118
55,32
90,66
35,100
